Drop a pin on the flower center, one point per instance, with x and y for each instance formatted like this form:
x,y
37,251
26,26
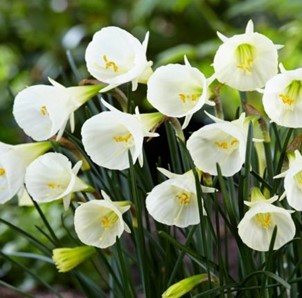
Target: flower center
x,y
245,57
298,179
126,140
2,172
110,64
184,198
108,220
187,97
44,111
227,145
264,219
291,94
54,185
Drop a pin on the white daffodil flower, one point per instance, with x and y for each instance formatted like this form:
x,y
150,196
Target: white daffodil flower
x,y
246,61
44,110
257,226
98,222
293,181
51,177
222,142
13,162
282,98
174,201
108,136
115,57
178,90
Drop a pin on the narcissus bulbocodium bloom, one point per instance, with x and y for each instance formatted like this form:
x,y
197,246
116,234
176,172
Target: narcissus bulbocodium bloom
x,y
174,201
115,57
246,61
108,136
282,98
13,162
293,181
44,110
178,90
66,258
256,227
99,222
222,142
51,177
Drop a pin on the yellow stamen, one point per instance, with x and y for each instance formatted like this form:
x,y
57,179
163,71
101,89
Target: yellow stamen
x,y
44,111
292,93
108,220
54,185
245,57
2,171
298,179
184,198
124,138
222,145
264,219
109,64
227,145
188,97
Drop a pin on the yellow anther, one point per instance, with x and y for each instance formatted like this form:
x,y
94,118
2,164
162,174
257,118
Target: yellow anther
x,y
184,198
286,99
108,220
2,171
298,179
222,145
44,111
245,57
54,185
188,97
109,64
124,138
264,219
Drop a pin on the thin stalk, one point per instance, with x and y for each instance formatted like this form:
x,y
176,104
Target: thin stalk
x,y
139,232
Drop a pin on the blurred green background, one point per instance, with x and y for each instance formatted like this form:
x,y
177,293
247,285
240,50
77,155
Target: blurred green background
x,y
39,38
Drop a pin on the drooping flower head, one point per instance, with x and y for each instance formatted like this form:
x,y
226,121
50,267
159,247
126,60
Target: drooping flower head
x,y
99,222
174,201
115,57
44,110
222,142
51,177
256,227
178,90
246,61
108,136
293,181
13,162
282,98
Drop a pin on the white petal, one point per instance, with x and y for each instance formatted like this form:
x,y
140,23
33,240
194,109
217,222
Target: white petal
x,y
108,136
177,90
88,223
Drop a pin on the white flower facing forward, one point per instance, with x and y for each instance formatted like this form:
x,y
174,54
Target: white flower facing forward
x,y
44,110
13,162
108,136
178,90
99,222
246,61
115,57
51,177
282,98
293,181
257,226
174,201
222,142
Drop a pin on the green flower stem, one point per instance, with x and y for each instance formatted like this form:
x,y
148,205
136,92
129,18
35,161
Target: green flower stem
x,y
139,231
